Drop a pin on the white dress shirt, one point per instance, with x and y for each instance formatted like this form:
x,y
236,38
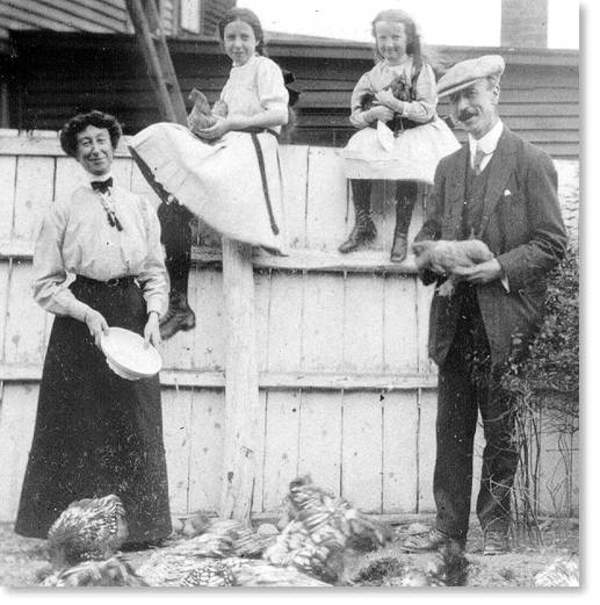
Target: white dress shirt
x,y
487,143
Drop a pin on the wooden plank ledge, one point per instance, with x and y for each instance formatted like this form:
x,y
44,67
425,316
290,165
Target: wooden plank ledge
x,y
267,380
299,259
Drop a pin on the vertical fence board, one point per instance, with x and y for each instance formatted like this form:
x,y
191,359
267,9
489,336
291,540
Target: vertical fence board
x,y
262,303
322,328
285,322
35,189
121,169
69,176
177,434
326,204
206,449
400,423
259,479
424,296
281,447
8,171
478,446
426,449
18,406
400,344
179,350
24,339
321,438
383,205
558,478
3,305
294,165
140,185
363,323
209,349
362,439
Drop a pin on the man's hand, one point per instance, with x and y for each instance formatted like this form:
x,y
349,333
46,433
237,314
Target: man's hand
x,y
483,273
152,330
96,325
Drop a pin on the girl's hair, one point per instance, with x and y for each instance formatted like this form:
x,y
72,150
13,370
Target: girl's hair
x,y
69,132
247,16
413,40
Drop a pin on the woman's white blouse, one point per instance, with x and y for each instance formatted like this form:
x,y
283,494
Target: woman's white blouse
x,y
76,238
253,87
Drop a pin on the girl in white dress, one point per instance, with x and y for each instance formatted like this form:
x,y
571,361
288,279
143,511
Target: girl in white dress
x,y
229,174
400,137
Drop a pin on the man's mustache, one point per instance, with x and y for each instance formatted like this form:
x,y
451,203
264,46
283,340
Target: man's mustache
x,y
465,114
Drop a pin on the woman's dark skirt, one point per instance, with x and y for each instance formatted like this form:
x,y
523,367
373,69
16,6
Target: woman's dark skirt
x,y
96,433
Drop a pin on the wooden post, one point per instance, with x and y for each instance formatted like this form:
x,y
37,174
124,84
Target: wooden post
x,y
241,382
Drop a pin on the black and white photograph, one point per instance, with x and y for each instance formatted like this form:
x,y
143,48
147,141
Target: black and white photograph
x,y
290,297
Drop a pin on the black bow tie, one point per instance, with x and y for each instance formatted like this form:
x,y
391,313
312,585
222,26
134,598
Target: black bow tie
x,y
102,186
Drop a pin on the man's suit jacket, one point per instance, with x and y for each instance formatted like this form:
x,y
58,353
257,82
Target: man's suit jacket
x,y
521,225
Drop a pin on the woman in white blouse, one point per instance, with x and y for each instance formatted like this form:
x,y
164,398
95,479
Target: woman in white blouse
x,y
97,433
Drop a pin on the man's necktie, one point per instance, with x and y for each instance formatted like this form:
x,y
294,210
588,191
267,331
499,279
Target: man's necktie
x,y
479,155
102,186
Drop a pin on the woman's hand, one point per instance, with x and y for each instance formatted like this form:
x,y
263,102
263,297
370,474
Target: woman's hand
x,y
152,330
214,132
379,112
386,97
96,325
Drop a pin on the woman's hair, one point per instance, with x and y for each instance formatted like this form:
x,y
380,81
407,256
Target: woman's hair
x,y
69,132
413,40
247,16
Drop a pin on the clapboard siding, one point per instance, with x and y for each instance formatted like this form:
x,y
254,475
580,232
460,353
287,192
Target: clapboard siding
x,y
59,74
97,16
347,392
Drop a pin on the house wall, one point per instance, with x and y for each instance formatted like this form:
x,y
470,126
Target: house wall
x,y
56,75
346,388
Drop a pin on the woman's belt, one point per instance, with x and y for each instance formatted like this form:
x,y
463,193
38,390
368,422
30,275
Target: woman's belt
x,y
115,282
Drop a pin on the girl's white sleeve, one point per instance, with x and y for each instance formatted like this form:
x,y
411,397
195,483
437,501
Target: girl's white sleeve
x,y
272,92
363,86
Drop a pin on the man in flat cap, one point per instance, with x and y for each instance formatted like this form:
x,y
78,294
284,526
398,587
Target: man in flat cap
x,y
503,191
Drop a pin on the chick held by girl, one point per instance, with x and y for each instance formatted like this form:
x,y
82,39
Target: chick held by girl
x,y
228,173
400,137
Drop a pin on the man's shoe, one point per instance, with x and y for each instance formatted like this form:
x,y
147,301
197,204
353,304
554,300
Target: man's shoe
x,y
431,541
495,543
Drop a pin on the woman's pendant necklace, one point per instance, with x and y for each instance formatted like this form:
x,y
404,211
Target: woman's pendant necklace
x,y
111,215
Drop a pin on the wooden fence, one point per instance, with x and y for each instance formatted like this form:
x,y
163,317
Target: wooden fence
x,y
347,391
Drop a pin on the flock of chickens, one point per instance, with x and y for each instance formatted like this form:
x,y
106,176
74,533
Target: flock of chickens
x,y
322,535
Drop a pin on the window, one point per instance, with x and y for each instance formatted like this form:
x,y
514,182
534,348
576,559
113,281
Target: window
x,y
190,15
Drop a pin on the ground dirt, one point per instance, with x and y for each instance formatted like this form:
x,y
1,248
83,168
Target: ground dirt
x,y
24,560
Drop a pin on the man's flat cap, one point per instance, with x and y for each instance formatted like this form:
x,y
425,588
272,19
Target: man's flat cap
x,y
467,72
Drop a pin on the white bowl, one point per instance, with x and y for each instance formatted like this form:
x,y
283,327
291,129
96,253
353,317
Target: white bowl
x,y
127,355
